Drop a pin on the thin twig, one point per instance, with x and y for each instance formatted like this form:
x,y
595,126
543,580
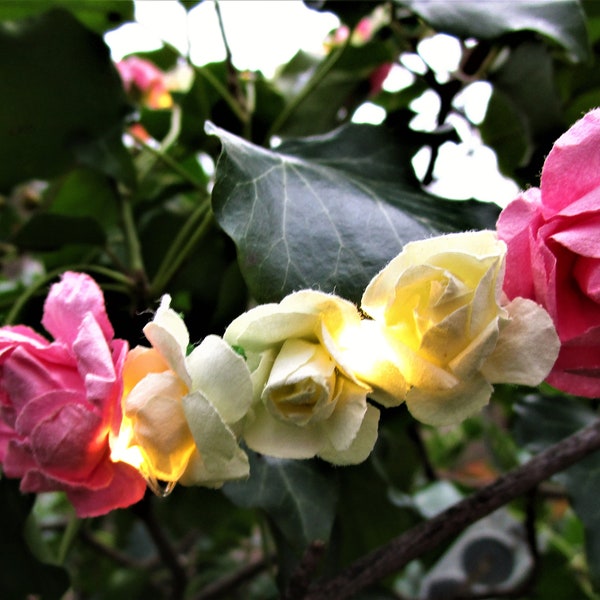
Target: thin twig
x,y
115,555
220,587
167,552
392,557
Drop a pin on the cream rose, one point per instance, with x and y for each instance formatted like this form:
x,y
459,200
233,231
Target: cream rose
x,y
443,331
306,401
179,411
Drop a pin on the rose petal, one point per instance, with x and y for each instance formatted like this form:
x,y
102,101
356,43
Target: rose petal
x,y
527,347
342,427
446,407
69,301
572,168
222,458
362,445
125,488
169,335
222,375
273,437
517,225
95,362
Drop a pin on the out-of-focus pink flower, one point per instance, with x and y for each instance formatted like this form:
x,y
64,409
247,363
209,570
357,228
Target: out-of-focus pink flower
x,y
145,82
360,35
59,400
553,238
378,76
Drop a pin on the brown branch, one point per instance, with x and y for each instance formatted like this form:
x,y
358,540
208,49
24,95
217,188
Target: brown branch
x,y
301,577
393,556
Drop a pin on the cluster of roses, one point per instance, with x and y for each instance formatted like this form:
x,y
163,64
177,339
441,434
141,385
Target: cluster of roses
x,y
441,323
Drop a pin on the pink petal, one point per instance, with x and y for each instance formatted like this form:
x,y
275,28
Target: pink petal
x,y
67,304
577,369
27,375
20,334
126,488
587,275
572,169
69,444
94,361
516,225
6,435
581,236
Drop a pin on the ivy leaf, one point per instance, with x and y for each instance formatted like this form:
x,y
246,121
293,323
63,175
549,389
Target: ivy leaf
x,y
287,491
60,93
49,231
99,15
563,22
542,421
327,211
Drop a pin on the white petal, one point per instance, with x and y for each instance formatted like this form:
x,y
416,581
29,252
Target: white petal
x,y
361,446
450,406
169,335
222,376
268,435
343,425
527,347
221,457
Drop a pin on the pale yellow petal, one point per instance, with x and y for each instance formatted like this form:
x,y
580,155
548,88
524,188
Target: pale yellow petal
x,y
449,406
222,376
267,435
362,445
221,457
343,425
269,324
169,335
527,347
367,355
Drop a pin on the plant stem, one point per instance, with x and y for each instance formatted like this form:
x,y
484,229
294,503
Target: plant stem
x,y
50,275
187,238
170,162
134,249
393,556
323,69
168,555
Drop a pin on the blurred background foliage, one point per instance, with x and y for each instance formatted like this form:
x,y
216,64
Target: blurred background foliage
x,y
185,191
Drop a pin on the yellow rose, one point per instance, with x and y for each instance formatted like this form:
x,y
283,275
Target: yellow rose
x,y
443,332
180,412
306,402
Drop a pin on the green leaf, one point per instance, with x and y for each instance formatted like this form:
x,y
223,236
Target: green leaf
x,y
543,421
562,21
326,211
84,193
527,106
504,129
98,15
297,496
60,93
333,99
48,231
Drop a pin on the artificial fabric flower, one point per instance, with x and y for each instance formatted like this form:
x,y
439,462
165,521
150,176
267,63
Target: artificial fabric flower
x,y
179,410
306,402
60,401
553,238
441,331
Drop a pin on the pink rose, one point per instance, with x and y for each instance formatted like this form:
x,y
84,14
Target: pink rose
x,y
144,81
59,400
553,238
